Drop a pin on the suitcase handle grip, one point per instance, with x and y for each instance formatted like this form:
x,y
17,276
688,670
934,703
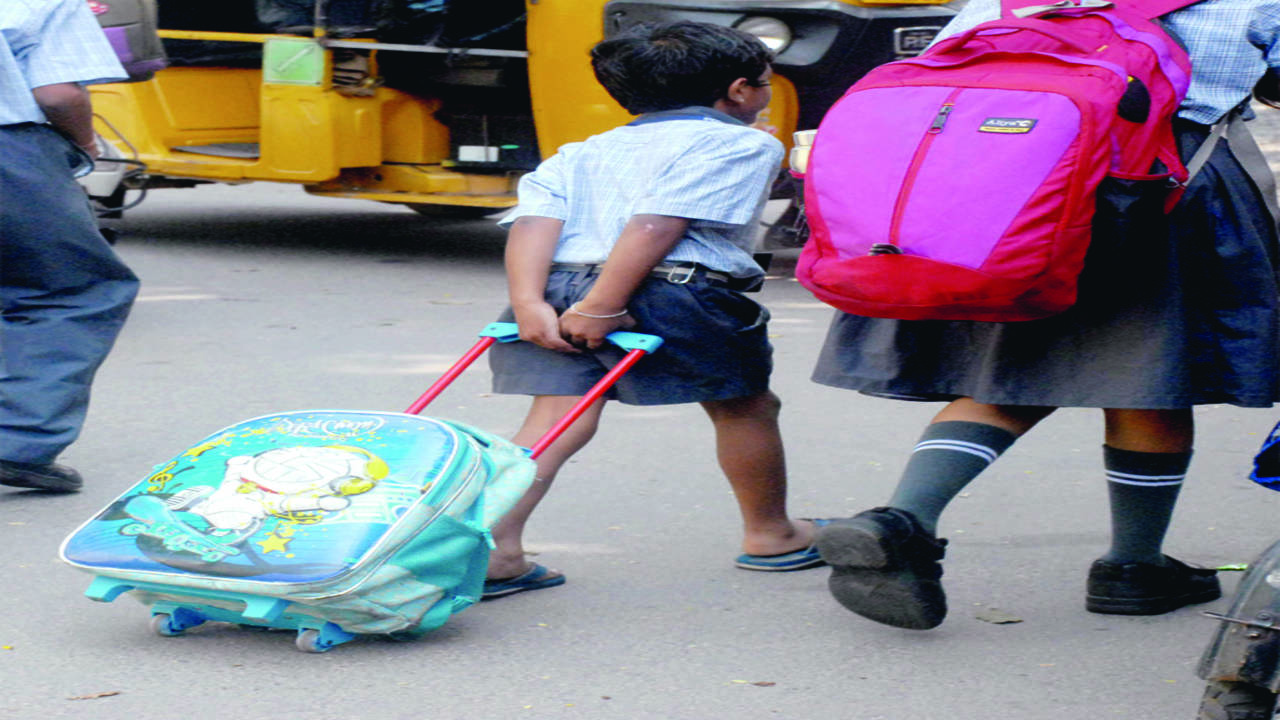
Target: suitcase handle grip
x,y
505,332
637,346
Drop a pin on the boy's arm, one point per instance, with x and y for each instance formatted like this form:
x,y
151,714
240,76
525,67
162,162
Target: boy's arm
x,y
531,244
645,241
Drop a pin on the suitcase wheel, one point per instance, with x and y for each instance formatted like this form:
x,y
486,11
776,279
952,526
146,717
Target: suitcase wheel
x,y
175,623
312,640
309,641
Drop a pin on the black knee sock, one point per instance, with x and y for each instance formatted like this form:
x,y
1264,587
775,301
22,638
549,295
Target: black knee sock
x,y
1143,488
948,456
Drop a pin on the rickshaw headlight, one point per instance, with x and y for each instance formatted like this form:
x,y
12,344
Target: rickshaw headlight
x,y
774,33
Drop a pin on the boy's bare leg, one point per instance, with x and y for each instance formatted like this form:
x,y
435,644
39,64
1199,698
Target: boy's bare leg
x,y
749,448
508,560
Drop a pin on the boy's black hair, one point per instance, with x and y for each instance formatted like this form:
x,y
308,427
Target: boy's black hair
x,y
664,67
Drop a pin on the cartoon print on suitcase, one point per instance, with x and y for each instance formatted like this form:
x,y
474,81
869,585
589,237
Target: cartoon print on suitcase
x,y
296,497
332,523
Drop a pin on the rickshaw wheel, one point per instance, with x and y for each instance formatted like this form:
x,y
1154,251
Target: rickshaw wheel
x,y
1236,701
457,212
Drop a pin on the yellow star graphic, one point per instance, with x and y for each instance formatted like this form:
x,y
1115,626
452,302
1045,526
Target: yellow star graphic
x,y
274,543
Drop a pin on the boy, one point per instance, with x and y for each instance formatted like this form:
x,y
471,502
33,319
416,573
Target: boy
x,y
649,226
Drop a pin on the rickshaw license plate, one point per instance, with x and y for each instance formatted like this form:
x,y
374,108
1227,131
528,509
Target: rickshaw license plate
x,y
913,40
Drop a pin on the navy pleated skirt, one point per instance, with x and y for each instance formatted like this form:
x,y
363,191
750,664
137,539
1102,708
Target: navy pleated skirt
x,y
1173,311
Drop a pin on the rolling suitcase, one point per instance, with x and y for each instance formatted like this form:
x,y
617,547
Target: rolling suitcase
x,y
332,523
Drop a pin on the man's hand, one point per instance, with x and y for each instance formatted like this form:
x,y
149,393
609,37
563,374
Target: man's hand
x,y
540,325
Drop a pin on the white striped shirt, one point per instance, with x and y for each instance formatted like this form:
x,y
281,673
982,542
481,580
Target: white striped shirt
x,y
701,165
46,42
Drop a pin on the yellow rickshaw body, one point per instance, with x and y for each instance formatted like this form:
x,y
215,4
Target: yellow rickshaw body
x,y
288,121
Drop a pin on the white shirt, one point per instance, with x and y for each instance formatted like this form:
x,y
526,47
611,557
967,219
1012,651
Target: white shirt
x,y
695,163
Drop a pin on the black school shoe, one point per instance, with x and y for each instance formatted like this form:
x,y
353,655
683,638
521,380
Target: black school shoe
x,y
48,477
885,568
1148,588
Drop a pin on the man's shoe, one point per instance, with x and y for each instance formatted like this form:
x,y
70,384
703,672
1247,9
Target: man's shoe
x,y
885,568
1148,588
49,477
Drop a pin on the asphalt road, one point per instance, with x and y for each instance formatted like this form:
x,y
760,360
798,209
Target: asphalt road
x,y
258,298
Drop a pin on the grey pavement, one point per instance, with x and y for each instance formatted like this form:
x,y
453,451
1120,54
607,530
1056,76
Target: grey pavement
x,y
259,298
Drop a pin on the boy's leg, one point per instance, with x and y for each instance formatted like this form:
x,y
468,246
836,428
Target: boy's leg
x,y
508,559
749,449
885,560
1146,457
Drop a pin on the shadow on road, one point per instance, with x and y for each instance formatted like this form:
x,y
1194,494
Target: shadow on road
x,y
301,229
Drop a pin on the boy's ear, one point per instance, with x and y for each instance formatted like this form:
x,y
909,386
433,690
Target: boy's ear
x,y
737,90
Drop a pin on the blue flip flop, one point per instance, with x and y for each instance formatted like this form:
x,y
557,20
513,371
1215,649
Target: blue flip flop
x,y
535,578
801,559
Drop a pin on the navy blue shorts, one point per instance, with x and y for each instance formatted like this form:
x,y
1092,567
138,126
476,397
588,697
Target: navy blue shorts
x,y
715,347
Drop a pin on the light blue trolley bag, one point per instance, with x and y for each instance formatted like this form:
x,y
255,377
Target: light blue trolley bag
x,y
334,523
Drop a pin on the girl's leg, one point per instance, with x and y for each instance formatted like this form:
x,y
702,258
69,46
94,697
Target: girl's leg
x,y
1146,457
885,561
961,441
1146,453
508,559
749,449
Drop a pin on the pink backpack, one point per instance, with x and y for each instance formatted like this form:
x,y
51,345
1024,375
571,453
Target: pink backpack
x,y
960,184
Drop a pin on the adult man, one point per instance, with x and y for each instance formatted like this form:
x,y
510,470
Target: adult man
x,y
64,294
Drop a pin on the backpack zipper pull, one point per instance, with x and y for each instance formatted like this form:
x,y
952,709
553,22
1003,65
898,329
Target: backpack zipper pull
x,y
941,118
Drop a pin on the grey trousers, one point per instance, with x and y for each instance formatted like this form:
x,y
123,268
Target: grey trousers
x,y
64,295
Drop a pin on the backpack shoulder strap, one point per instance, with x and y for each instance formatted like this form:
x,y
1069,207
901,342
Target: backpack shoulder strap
x,y
1149,9
1152,9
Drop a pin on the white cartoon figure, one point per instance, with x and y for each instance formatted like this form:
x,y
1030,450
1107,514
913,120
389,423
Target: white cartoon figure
x,y
280,482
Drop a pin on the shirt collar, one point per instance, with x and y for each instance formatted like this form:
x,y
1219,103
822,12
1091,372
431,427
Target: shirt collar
x,y
692,111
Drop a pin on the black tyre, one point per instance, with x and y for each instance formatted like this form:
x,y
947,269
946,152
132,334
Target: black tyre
x,y
455,212
112,206
1236,701
790,230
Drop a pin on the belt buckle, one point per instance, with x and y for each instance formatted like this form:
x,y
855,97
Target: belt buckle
x,y
689,271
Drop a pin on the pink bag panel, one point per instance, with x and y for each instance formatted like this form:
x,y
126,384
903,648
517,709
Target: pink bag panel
x,y
976,131
857,175
980,214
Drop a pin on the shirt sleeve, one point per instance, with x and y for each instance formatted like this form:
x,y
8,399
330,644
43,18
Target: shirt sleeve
x,y
69,46
974,13
541,192
1264,32
719,179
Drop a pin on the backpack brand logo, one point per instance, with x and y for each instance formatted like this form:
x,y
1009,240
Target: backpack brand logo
x,y
1007,125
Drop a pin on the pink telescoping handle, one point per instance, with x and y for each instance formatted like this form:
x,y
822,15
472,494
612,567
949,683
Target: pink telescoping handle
x,y
637,346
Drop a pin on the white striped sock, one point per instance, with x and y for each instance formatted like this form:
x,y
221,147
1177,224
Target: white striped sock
x,y
981,451
1145,480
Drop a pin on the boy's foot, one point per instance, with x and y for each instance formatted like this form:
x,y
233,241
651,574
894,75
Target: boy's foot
x,y
1148,588
537,577
885,568
802,559
47,476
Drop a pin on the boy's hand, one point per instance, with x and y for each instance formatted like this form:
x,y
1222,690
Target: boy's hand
x,y
590,332
539,325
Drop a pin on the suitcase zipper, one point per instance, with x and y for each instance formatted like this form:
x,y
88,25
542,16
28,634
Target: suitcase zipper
x,y
440,510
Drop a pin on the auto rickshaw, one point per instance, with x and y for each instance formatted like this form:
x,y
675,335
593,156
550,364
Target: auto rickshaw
x,y
441,105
